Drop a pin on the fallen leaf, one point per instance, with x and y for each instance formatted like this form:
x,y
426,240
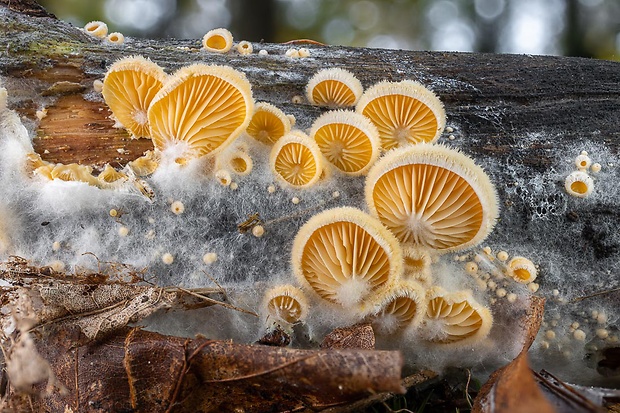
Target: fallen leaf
x,y
360,336
513,387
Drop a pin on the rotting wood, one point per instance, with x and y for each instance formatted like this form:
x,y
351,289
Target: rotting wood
x,y
495,100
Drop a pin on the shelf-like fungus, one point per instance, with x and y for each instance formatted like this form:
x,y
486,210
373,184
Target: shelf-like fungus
x,y
96,29
200,110
218,40
344,256
522,270
73,172
115,38
404,112
334,87
146,164
296,160
400,308
286,303
579,184
268,124
245,48
110,176
238,161
129,87
348,140
432,197
455,318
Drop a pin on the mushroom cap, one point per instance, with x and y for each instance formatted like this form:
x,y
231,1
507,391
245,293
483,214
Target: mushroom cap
x,y
129,86
73,172
238,162
286,303
344,256
202,107
96,28
348,140
579,184
146,164
296,160
110,175
455,318
522,270
268,124
432,197
404,112
218,40
401,307
334,87
116,38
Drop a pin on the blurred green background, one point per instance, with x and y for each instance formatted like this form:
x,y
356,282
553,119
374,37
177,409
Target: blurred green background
x,y
588,28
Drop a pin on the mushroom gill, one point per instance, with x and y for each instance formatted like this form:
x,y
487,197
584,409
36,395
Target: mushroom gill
x,y
129,86
348,140
455,318
268,124
404,112
286,303
202,108
296,160
400,308
334,87
432,197
344,256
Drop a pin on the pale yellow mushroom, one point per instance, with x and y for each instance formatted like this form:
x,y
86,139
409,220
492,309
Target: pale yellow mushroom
x,y
146,164
400,308
344,256
455,318
74,172
348,140
116,38
286,303
129,87
110,176
579,184
268,123
334,87
296,160
96,29
432,197
218,40
201,110
404,112
522,270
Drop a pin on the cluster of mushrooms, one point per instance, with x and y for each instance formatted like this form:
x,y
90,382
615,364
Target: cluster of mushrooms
x,y
423,199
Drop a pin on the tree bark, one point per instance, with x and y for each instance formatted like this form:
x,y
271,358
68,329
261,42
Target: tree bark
x,y
524,118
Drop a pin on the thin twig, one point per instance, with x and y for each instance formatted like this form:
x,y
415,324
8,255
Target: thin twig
x,y
211,300
613,290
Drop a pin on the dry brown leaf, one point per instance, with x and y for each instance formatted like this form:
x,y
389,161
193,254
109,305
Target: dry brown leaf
x,y
143,371
513,388
360,336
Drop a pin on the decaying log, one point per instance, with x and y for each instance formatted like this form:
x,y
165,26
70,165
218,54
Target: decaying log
x,y
518,115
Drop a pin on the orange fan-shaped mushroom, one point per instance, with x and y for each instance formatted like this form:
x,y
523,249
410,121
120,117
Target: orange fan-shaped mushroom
x,y
286,303
334,87
432,197
296,160
455,318
345,255
404,112
400,308
129,87
268,123
201,107
348,140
